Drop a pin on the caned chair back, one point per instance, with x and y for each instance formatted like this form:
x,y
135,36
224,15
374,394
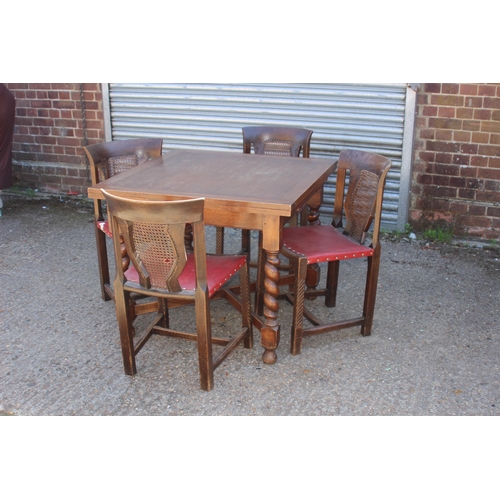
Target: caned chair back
x,y
110,158
281,141
363,202
153,233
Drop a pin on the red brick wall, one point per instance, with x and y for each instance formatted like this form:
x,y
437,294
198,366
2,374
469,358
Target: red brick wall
x,y
456,168
48,135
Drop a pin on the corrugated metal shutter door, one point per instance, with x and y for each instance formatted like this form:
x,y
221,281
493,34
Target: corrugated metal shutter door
x,y
210,116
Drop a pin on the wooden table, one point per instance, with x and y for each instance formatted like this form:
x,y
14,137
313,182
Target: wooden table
x,y
247,191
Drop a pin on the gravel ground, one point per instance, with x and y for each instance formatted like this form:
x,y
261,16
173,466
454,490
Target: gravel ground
x,y
434,349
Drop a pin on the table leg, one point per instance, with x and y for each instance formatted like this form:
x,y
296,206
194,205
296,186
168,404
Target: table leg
x,y
270,333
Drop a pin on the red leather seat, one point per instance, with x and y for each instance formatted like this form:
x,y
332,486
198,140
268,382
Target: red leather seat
x,y
322,244
103,225
220,269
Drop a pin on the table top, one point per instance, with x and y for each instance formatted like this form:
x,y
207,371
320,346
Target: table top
x,y
261,184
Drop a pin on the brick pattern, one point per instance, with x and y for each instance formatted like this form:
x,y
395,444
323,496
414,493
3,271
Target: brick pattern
x,y
48,135
456,168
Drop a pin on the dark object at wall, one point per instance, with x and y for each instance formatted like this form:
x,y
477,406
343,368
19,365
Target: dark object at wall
x,y
7,114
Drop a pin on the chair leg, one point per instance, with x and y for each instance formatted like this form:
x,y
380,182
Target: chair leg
x,y
332,279
291,271
245,241
123,304
370,292
163,310
219,240
300,266
312,279
102,258
204,337
246,319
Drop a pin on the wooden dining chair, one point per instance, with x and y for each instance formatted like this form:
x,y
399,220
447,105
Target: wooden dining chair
x,y
153,233
269,140
278,141
106,160
360,206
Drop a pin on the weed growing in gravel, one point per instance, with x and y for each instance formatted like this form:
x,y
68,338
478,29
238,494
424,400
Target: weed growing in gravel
x,y
438,235
493,245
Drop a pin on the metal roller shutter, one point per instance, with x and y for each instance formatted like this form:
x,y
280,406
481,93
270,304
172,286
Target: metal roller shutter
x,y
210,116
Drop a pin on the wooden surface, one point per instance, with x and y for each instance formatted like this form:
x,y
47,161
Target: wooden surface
x,y
262,183
240,190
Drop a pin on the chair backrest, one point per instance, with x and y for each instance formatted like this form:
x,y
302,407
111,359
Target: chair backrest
x,y
363,202
110,158
153,232
281,141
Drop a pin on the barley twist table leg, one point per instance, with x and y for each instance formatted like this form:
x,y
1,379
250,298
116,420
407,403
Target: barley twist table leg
x,y
270,333
313,216
259,285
